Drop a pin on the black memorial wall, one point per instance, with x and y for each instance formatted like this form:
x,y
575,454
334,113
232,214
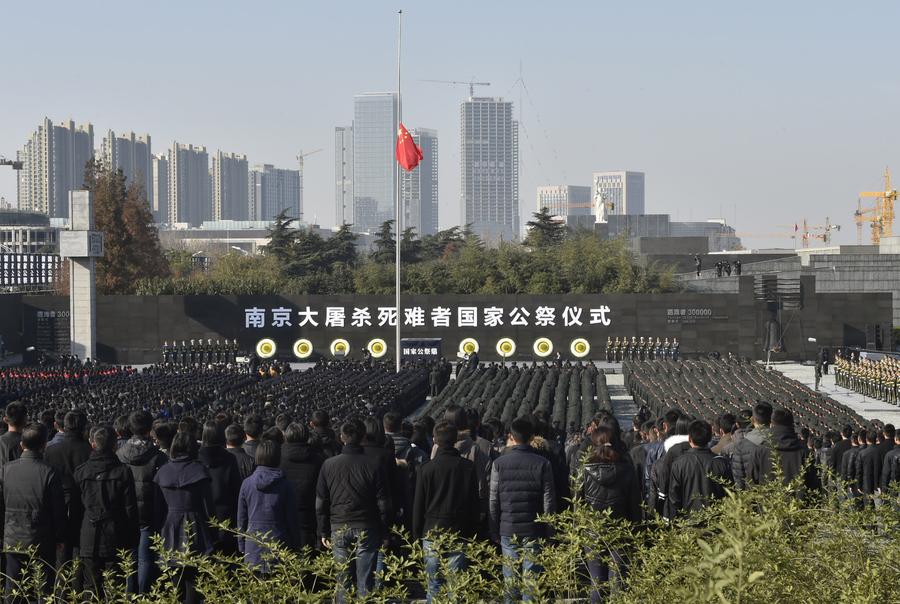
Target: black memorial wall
x,y
132,329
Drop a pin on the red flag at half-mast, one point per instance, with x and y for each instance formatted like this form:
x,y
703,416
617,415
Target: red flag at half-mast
x,y
409,154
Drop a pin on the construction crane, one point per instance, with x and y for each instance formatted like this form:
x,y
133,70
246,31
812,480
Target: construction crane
x,y
881,216
300,157
804,233
14,164
471,84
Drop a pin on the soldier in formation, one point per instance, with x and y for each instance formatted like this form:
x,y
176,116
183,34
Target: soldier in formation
x,y
874,379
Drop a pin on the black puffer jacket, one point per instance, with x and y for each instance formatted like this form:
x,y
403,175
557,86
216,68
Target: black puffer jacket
x,y
613,486
301,465
110,519
750,461
694,481
521,488
144,459
32,505
352,492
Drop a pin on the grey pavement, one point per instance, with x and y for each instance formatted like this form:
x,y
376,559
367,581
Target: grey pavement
x,y
869,408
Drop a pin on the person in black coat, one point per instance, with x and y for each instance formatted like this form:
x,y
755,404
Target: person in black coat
x,y
375,445
253,428
110,515
791,452
144,459
868,467
353,508
838,450
748,461
32,506
323,437
301,464
234,440
610,483
890,466
887,440
225,483
446,499
521,488
15,418
70,451
698,475
186,487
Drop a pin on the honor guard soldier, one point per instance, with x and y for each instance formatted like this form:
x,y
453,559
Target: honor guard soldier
x,y
642,350
667,349
633,355
165,353
657,349
617,350
609,350
675,349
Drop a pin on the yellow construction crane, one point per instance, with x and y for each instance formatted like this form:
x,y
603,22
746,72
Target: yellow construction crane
x,y
881,216
802,231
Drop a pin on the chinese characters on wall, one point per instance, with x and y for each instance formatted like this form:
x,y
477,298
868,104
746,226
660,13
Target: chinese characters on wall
x,y
417,316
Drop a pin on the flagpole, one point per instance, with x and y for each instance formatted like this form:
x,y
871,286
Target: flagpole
x,y
397,224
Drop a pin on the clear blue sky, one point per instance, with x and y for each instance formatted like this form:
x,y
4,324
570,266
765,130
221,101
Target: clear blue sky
x,y
767,112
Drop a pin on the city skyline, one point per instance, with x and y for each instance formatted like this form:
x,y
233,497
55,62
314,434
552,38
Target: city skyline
x,y
729,113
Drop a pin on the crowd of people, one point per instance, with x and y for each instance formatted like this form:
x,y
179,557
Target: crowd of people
x,y
327,459
641,350
876,379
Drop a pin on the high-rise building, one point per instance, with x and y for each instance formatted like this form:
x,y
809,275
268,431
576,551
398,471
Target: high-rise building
x,y
190,200
159,198
419,187
54,160
131,154
273,190
489,162
374,172
343,175
570,203
229,187
623,190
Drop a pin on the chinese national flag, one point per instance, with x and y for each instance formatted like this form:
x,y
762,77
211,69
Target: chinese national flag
x,y
409,154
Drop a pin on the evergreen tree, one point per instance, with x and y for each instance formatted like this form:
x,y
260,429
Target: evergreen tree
x,y
282,238
384,246
410,246
544,230
341,247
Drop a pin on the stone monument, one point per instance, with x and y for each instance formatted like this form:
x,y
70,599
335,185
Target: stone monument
x,y
81,245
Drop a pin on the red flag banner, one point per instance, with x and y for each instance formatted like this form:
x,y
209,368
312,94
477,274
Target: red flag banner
x,y
409,154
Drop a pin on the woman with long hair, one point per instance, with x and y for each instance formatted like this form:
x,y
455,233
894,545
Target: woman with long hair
x,y
610,483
